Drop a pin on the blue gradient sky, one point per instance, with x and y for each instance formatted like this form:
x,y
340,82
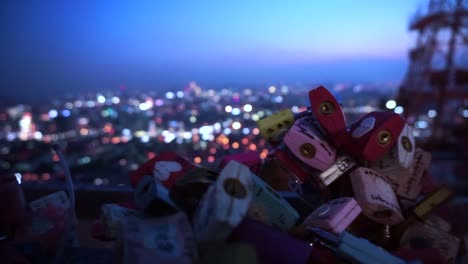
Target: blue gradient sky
x,y
52,45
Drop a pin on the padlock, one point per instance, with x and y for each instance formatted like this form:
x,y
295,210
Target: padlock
x,y
158,240
276,175
153,198
432,201
334,216
374,135
189,189
328,113
233,253
112,217
410,182
289,165
166,167
351,249
274,246
422,210
428,234
224,204
407,182
375,195
250,159
270,208
308,146
273,127
400,156
53,222
341,165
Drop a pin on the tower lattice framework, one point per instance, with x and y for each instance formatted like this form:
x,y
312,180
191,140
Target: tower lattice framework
x,y
437,76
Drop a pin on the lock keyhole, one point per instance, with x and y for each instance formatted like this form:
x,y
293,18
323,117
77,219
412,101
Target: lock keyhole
x,y
384,137
307,150
406,143
326,108
234,188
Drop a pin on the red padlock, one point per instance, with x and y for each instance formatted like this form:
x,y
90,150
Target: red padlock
x,y
308,146
166,167
374,135
289,165
328,113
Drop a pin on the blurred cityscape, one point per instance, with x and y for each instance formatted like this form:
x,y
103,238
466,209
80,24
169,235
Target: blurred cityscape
x,y
107,135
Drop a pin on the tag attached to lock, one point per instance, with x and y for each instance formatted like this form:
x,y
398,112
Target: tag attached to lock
x,y
376,197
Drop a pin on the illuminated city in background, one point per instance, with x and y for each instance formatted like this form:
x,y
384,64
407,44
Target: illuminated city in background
x,y
107,135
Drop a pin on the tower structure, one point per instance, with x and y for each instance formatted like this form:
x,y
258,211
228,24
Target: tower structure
x,y
435,88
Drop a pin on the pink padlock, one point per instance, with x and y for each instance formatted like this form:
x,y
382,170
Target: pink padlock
x,y
308,146
334,216
374,135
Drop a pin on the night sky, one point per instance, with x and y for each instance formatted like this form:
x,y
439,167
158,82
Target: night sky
x,y
54,46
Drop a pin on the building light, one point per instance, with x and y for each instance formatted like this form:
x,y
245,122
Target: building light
x,y
391,104
399,110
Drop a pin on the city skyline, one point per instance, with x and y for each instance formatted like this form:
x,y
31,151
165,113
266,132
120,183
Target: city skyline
x,y
53,46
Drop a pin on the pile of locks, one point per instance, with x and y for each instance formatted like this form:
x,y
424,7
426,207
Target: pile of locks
x,y
327,192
